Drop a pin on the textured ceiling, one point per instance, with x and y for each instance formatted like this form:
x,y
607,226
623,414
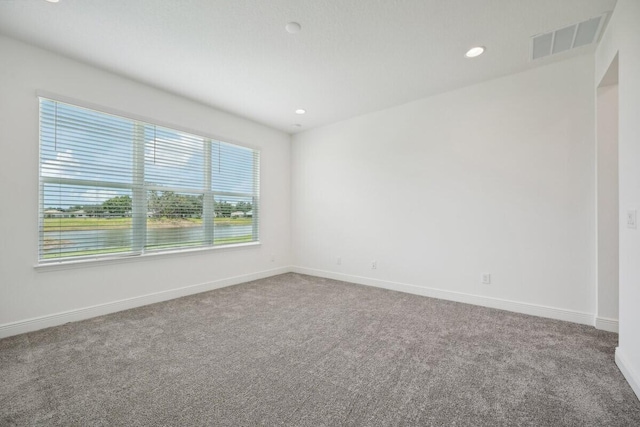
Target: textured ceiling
x,y
351,57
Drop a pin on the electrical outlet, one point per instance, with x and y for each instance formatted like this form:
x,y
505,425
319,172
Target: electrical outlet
x,y
632,218
485,278
339,260
374,265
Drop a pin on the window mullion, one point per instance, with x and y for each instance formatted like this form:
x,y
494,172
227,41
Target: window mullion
x,y
208,203
139,201
255,202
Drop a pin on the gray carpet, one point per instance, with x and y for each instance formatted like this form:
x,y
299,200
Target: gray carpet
x,y
303,351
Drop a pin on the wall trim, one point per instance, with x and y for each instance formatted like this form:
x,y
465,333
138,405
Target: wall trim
x,y
630,375
37,323
47,321
501,304
607,324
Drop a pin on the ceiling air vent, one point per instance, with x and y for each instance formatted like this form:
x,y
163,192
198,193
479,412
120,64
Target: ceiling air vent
x,y
567,38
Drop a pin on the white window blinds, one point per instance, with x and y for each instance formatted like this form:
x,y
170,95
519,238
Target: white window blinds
x,y
113,186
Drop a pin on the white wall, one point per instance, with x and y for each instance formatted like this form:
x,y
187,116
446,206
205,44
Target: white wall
x,y
622,37
497,177
26,293
607,194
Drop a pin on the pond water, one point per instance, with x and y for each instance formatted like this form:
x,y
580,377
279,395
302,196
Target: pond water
x,y
68,242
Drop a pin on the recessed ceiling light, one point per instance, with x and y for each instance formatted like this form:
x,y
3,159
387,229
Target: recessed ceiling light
x,y
474,51
300,111
53,1
293,27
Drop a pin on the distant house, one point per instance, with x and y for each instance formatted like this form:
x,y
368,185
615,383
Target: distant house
x,y
79,214
249,214
53,213
238,214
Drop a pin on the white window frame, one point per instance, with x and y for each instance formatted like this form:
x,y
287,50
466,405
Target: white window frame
x,y
139,189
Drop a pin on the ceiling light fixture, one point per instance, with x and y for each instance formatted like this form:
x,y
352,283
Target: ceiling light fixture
x,y
300,111
474,51
53,1
293,27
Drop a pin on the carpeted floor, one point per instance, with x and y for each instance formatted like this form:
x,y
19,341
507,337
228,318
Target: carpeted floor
x,y
304,351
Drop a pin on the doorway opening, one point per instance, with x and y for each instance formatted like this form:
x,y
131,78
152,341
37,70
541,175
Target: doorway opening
x,y
607,200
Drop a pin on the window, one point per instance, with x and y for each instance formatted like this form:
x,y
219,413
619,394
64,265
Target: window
x,y
113,186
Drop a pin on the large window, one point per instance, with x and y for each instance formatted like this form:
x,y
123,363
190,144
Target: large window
x,y
113,186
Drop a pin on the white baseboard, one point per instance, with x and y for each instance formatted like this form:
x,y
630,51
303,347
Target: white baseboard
x,y
607,324
629,373
518,307
34,324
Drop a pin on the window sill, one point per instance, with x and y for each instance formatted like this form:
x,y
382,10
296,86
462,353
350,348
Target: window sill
x,y
94,262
